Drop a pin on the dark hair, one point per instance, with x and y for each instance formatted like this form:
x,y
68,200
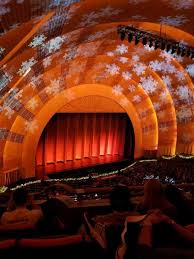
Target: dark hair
x,y
20,196
120,198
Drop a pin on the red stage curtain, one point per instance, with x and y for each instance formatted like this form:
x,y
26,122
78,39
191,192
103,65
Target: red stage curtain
x,y
77,136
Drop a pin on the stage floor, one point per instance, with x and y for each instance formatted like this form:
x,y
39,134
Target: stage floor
x,y
76,164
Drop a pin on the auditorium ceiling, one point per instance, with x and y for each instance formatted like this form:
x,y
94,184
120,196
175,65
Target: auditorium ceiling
x,y
53,52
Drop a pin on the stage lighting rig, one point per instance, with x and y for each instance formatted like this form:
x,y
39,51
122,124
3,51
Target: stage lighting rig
x,y
154,40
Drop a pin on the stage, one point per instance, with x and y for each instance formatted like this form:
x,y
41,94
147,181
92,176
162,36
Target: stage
x,y
82,167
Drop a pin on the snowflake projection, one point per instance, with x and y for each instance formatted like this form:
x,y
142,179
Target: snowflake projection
x,y
139,69
131,88
157,106
167,80
155,65
33,104
136,99
167,56
184,113
54,87
1,50
99,34
31,126
135,58
117,90
176,21
70,54
122,49
54,44
178,57
77,67
37,41
126,75
180,75
110,54
92,18
26,65
47,61
149,84
190,69
168,68
64,3
124,102
3,10
19,94
35,81
164,97
180,4
112,69
8,112
183,92
123,60
5,79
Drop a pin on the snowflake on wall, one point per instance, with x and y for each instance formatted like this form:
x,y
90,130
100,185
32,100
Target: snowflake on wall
x,y
167,80
157,106
136,99
64,3
180,75
37,41
122,49
139,69
135,58
155,65
31,126
3,10
148,48
126,75
131,88
99,34
183,113
70,54
32,104
35,81
180,4
117,90
168,68
5,79
164,97
110,54
112,69
149,84
123,60
47,61
183,92
54,87
54,44
26,65
176,21
1,50
124,102
190,69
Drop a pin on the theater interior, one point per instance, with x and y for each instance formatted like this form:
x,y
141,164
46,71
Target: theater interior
x,y
97,128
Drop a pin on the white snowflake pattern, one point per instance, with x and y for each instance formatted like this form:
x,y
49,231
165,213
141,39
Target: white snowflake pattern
x,y
167,56
135,58
1,50
155,65
5,79
47,61
70,54
117,90
131,88
149,84
180,4
126,75
183,92
176,21
180,75
157,106
164,97
54,87
54,44
122,49
110,54
190,69
4,10
136,99
167,80
183,113
124,102
123,60
37,41
31,126
26,65
139,69
112,69
35,81
32,104
148,48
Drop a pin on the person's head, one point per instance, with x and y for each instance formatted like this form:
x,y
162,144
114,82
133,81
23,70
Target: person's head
x,y
153,193
20,197
120,198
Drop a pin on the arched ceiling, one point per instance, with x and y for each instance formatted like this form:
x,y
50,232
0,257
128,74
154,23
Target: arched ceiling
x,y
47,47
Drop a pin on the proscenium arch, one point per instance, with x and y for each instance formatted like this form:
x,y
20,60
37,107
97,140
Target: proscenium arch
x,y
26,154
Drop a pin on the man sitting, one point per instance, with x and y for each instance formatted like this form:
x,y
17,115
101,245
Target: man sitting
x,y
19,212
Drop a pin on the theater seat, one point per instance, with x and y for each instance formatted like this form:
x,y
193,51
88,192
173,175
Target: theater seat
x,y
7,248
18,230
